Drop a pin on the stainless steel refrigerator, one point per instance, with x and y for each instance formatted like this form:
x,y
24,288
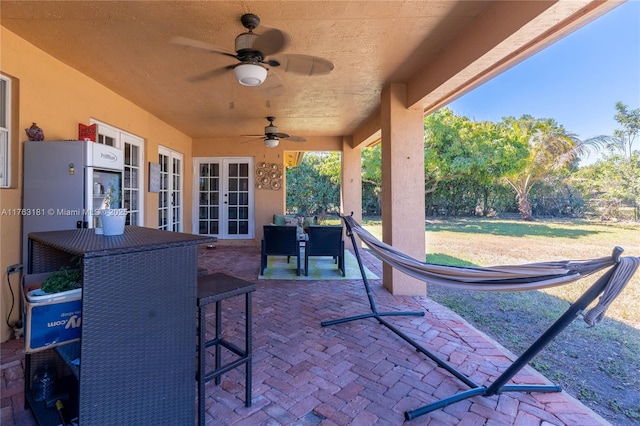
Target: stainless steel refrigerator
x,y
65,182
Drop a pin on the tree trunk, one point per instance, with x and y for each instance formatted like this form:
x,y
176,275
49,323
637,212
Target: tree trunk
x,y
524,207
485,208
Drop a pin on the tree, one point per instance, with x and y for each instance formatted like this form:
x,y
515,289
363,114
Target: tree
x,y
611,183
372,179
614,181
467,157
625,137
550,149
314,186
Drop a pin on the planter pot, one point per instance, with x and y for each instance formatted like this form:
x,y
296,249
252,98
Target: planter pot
x,y
113,221
36,295
50,319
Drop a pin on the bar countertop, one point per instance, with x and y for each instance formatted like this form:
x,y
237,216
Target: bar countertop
x,y
86,243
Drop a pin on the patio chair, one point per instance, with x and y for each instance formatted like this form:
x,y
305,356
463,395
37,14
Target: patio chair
x,y
324,241
279,241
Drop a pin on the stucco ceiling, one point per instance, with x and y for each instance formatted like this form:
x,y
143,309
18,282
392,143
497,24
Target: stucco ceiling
x,y
438,48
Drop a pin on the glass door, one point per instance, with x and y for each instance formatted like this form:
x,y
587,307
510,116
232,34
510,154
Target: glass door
x,y
103,183
236,199
224,197
133,182
208,198
132,194
170,196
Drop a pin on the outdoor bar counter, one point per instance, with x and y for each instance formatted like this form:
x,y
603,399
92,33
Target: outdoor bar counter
x,y
137,346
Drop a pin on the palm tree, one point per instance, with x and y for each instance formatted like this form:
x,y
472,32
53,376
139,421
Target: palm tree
x,y
550,149
624,138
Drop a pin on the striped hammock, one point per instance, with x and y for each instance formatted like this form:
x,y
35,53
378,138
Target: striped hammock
x,y
532,276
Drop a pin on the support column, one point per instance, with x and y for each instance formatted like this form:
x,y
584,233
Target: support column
x,y
403,217
351,194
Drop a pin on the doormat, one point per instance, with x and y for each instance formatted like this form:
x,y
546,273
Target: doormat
x,y
320,268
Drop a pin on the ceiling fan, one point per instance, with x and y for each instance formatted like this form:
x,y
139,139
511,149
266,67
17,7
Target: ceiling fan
x,y
272,137
252,51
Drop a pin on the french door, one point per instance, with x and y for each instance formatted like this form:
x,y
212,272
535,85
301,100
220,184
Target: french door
x,y
133,179
223,197
170,196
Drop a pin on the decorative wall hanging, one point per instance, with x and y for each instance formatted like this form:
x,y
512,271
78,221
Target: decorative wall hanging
x,y
154,177
87,132
268,176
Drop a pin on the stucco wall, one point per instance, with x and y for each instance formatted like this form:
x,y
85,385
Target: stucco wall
x,y
57,98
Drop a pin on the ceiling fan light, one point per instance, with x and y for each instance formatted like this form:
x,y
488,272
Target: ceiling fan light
x,y
271,142
250,74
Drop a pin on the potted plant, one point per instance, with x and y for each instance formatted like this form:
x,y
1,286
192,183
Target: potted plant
x,y
65,281
52,307
113,217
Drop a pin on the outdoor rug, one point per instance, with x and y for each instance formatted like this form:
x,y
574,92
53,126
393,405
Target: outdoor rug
x,y
320,268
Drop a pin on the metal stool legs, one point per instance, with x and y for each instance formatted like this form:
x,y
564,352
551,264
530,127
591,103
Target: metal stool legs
x,y
216,288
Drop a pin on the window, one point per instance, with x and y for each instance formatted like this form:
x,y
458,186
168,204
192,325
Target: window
x,y
5,132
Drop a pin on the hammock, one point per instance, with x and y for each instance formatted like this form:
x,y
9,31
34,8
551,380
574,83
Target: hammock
x,y
532,276
496,278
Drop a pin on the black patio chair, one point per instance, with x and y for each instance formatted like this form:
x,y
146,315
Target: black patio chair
x,y
279,241
324,241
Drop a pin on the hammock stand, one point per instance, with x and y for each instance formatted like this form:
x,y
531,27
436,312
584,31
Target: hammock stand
x,y
499,384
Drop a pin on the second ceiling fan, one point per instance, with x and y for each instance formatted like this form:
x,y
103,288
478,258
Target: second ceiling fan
x,y
272,136
252,51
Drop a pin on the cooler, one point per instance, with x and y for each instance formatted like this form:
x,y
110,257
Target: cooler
x,y
49,320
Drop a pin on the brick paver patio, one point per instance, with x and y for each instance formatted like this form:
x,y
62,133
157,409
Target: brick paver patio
x,y
356,373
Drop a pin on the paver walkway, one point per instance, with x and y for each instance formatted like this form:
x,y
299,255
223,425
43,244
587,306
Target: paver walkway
x,y
356,373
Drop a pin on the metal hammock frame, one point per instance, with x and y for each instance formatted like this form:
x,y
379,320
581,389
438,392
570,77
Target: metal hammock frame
x,y
541,275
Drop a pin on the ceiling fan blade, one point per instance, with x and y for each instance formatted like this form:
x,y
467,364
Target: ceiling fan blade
x,y
281,135
271,42
197,44
296,139
209,74
253,138
305,64
273,86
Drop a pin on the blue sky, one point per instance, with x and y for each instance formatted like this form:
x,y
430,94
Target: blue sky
x,y
576,81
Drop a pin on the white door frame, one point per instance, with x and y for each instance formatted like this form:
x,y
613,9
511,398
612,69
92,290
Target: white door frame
x,y
171,185
225,195
5,133
133,174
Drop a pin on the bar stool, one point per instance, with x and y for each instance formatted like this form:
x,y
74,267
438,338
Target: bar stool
x,y
216,288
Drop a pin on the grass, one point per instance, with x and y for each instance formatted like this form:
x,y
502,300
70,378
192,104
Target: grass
x,y
600,365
